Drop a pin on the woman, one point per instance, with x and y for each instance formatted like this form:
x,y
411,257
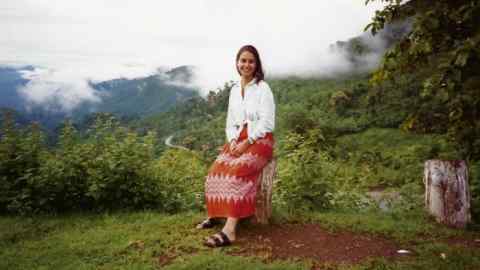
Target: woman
x,y
230,186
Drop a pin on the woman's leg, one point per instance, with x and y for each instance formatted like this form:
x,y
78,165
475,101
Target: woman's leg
x,y
230,228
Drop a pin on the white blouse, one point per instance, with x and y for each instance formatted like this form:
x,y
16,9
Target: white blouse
x,y
256,109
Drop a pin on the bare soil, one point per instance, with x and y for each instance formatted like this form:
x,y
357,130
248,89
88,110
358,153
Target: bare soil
x,y
314,243
310,241
464,242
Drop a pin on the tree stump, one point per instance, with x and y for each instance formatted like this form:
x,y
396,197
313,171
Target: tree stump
x,y
447,194
263,207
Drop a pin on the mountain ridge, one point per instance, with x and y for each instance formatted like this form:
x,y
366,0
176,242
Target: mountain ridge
x,y
137,97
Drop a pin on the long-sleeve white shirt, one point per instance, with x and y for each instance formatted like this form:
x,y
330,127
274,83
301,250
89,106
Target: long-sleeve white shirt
x,y
256,109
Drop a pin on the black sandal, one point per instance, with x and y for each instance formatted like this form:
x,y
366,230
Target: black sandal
x,y
216,242
207,223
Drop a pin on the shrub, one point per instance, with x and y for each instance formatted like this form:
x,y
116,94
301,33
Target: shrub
x,y
475,190
305,174
20,152
180,177
113,168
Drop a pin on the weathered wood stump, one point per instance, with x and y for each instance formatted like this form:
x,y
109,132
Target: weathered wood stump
x,y
447,194
263,208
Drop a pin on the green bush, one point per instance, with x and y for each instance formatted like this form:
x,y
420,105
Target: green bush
x,y
112,168
180,177
306,173
117,173
20,152
475,190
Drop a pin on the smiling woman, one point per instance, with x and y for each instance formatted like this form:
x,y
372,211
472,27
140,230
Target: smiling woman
x,y
230,187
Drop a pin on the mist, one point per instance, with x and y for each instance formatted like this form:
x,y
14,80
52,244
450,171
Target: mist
x,y
73,42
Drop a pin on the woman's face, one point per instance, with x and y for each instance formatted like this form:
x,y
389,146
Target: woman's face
x,y
246,64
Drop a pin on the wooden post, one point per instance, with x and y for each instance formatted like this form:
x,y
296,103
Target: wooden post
x,y
263,208
447,194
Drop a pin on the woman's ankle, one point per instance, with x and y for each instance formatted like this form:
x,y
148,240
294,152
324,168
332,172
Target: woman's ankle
x,y
229,232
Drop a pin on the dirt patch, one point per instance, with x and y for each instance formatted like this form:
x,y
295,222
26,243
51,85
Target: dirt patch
x,y
165,259
464,242
310,241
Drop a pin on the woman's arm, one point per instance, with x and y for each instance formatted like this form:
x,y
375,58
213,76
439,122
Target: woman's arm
x,y
266,114
230,128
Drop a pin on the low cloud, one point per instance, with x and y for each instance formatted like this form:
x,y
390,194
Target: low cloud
x,y
74,42
56,90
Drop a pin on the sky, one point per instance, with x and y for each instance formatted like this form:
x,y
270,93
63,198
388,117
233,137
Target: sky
x,y
73,41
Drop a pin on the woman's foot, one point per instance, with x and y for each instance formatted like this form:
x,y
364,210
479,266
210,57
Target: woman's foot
x,y
207,223
220,239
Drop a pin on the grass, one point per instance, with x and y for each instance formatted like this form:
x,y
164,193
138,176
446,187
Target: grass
x,y
220,261
414,227
388,157
122,241
151,240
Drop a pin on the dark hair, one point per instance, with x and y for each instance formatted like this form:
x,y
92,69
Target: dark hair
x,y
258,74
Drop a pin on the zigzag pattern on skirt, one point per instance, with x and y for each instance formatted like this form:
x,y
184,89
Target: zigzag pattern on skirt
x,y
230,186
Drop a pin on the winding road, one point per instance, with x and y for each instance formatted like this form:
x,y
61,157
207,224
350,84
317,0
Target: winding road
x,y
168,142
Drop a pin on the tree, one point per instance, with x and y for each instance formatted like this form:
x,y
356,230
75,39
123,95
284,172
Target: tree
x,y
444,48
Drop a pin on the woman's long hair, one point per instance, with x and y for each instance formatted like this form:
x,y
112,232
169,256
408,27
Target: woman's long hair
x,y
258,74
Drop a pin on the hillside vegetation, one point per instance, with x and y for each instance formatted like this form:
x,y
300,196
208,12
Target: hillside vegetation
x,y
333,146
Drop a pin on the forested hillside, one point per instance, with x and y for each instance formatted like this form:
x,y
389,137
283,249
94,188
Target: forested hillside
x,y
327,130
44,101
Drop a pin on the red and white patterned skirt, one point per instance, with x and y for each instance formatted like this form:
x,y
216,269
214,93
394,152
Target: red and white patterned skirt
x,y
230,187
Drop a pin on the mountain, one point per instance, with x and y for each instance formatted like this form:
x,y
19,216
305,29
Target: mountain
x,y
144,96
364,52
122,97
10,80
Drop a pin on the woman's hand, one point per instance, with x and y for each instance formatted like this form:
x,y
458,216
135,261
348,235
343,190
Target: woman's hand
x,y
240,148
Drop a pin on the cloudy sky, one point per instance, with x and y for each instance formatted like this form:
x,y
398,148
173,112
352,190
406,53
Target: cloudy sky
x,y
76,40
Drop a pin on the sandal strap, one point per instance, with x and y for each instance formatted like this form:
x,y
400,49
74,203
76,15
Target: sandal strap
x,y
226,240
207,223
217,241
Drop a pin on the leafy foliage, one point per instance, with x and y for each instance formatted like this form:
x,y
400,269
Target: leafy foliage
x,y
182,175
306,173
20,153
443,47
113,168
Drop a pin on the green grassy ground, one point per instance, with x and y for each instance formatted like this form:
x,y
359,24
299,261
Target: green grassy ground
x,y
150,240
388,157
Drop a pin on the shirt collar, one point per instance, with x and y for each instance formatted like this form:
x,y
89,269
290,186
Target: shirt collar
x,y
248,84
